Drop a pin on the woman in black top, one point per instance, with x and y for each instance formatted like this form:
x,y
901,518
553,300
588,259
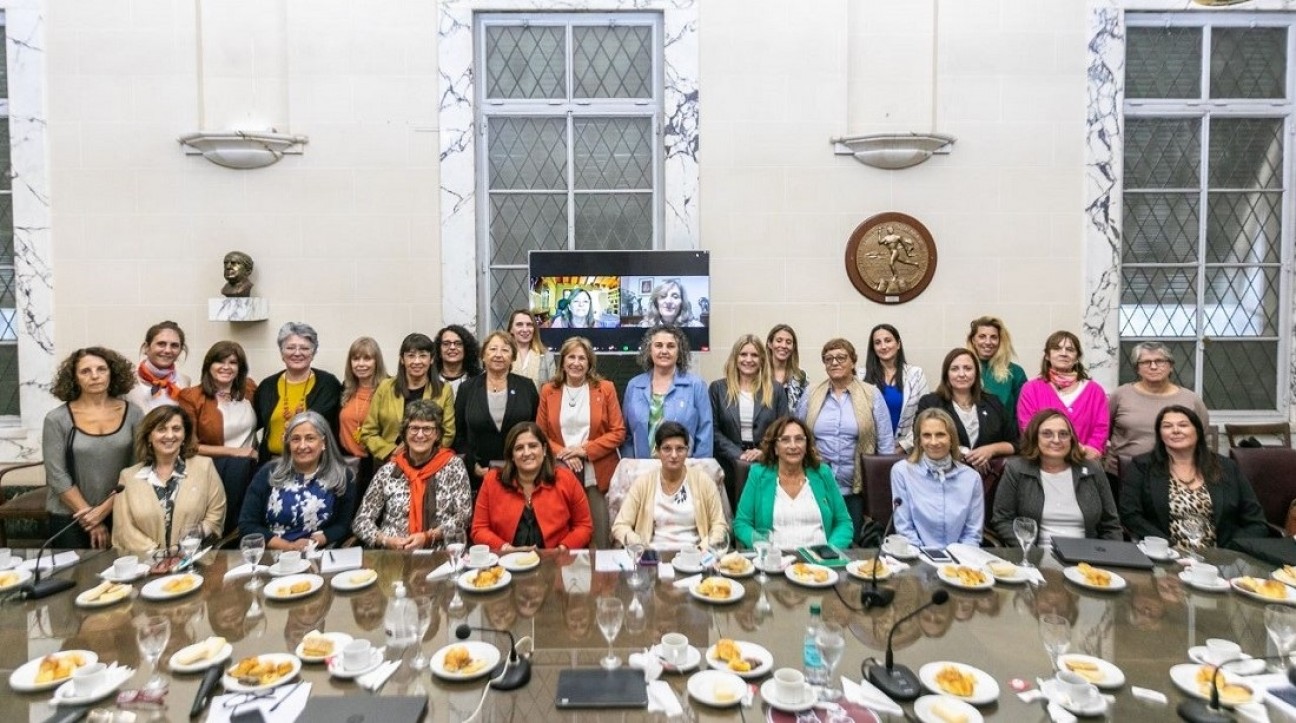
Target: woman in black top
x,y
985,428
487,406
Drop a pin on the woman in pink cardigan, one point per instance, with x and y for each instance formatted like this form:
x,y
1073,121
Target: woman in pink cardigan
x,y
1063,385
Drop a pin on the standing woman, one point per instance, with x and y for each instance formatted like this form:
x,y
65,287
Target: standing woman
x,y
365,370
533,360
580,415
455,357
785,363
380,432
298,388
489,405
743,405
160,381
988,338
87,442
665,390
1064,385
224,421
985,429
901,384
1134,406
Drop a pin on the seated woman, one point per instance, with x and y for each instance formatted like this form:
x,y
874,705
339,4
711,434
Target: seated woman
x,y
985,429
489,405
785,363
533,360
1134,406
170,490
531,502
675,507
581,312
1053,484
1001,377
939,499
419,491
792,495
307,495
381,428
665,391
900,383
454,356
1064,385
669,305
160,381
298,388
1181,478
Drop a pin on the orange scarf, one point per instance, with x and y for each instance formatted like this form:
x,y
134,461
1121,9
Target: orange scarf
x,y
418,479
159,383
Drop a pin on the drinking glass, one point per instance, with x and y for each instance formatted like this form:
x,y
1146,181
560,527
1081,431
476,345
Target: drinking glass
x,y
253,548
718,550
190,541
152,633
635,550
455,543
830,641
1280,622
425,612
611,612
1055,630
761,543
1025,528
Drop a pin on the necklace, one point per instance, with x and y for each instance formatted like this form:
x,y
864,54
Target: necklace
x,y
493,386
285,387
793,485
572,394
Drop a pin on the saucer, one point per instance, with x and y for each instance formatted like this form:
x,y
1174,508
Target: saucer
x,y
717,688
14,561
1247,666
1171,554
336,670
66,695
925,707
692,658
911,555
769,694
278,569
110,574
687,569
1220,584
339,640
1052,690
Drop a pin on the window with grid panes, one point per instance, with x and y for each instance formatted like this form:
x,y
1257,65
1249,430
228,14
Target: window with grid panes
x,y
8,286
569,149
1208,202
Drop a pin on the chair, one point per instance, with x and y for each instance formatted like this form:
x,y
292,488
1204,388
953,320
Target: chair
x,y
876,472
29,505
741,469
1235,432
1272,474
628,470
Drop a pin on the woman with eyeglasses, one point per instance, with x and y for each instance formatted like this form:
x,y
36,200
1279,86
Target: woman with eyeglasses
x,y
1134,406
298,388
380,432
1064,385
674,507
455,356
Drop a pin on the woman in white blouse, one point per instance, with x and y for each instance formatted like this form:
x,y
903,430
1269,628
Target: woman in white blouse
x,y
675,507
581,416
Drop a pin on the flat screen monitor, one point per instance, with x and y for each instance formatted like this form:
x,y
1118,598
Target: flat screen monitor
x,y
613,297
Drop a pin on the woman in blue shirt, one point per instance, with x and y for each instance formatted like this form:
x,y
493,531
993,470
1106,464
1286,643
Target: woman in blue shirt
x,y
665,391
901,384
940,498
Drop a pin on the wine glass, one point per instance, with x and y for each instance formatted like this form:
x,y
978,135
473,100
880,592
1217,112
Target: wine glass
x,y
425,612
455,542
830,641
761,543
190,541
152,633
253,548
1025,528
1280,622
611,612
635,550
1055,630
718,549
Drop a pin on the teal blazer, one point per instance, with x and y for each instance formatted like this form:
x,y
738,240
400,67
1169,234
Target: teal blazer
x,y
756,508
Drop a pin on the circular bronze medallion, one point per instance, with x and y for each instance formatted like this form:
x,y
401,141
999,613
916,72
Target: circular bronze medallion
x,y
891,258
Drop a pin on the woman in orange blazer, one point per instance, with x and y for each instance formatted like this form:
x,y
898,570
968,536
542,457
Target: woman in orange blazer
x,y
580,414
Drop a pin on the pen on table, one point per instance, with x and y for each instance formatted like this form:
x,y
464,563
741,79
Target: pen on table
x,y
286,697
329,555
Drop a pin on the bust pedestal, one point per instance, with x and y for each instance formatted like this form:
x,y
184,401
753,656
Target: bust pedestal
x,y
247,308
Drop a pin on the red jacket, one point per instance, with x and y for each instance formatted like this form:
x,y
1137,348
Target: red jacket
x,y
561,509
607,427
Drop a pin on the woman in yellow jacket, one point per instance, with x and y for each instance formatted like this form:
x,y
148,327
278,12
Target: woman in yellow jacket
x,y
381,429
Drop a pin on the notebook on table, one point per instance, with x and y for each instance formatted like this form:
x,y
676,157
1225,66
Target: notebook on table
x,y
597,688
1104,553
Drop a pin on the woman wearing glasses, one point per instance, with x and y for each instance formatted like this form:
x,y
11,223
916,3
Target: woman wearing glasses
x,y
1063,384
298,388
1134,406
455,356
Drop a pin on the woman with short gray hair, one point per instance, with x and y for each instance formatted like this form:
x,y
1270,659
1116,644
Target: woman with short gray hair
x,y
1134,406
298,388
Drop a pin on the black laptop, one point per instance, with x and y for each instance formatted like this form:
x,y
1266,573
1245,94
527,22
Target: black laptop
x,y
365,709
1104,553
598,688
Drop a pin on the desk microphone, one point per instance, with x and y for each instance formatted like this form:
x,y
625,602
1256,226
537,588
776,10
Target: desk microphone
x,y
871,596
38,588
1200,711
898,681
514,671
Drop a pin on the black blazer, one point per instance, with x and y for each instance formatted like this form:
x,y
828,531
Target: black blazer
x,y
728,427
325,397
476,436
997,424
1145,503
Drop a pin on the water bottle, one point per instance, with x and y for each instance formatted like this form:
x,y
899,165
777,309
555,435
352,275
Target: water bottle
x,y
401,621
814,671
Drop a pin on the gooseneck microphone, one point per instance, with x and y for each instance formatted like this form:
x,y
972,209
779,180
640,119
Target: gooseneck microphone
x,y
871,596
514,671
898,681
1200,711
38,588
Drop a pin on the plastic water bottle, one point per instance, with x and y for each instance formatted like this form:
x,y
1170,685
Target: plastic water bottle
x,y
814,671
401,621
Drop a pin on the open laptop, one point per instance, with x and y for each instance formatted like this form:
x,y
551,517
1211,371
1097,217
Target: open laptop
x,y
366,709
1104,553
598,688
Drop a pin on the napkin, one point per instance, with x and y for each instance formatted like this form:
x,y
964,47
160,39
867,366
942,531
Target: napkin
x,y
895,564
665,571
866,694
290,699
57,561
347,558
378,678
1060,714
688,581
577,576
661,699
611,561
245,570
650,664
444,571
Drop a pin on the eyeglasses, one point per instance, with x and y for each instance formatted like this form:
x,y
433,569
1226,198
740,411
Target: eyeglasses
x,y
1060,436
299,349
797,439
451,344
1155,363
417,355
673,449
835,359
421,431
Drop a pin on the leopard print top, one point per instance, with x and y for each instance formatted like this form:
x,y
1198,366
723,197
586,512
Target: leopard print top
x,y
1186,503
386,504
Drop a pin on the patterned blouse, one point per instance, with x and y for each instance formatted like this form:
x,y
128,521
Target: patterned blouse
x,y
795,387
299,508
385,508
1186,503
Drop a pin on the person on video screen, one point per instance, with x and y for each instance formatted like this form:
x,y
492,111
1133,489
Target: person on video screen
x,y
669,304
581,312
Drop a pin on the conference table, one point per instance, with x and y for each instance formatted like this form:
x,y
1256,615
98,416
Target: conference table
x,y
1144,629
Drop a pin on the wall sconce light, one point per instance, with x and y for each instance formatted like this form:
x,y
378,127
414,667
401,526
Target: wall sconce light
x,y
242,150
893,151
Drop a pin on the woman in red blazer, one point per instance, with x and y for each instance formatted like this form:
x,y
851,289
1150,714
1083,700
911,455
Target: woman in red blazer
x,y
531,503
580,414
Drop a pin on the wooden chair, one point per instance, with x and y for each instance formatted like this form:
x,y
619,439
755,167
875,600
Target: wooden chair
x,y
1236,432
876,472
1272,474
29,505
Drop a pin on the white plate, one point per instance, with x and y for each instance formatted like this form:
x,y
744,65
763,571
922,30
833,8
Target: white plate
x,y
126,594
1171,554
1073,574
984,691
279,570
769,695
466,582
912,554
14,561
1108,677
23,679
747,571
853,569
339,640
791,575
1288,599
1220,585
692,658
491,561
112,681
1250,666
687,569
156,590
278,589
23,577
947,576
749,650
336,670
736,591
510,561
345,582
1053,690
1184,677
704,686
233,686
1019,574
110,574
924,709
175,666
1281,575
479,650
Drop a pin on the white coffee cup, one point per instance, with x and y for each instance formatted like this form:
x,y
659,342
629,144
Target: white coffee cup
x,y
790,684
125,566
88,679
689,557
290,559
674,648
1156,546
479,555
1203,574
6,556
1074,686
356,655
1219,650
773,560
897,545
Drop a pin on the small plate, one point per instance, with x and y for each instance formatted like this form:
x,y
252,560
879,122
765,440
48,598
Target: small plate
x,y
717,688
749,650
156,590
278,590
1289,594
1052,690
336,670
925,706
354,579
692,658
110,574
124,592
748,570
1282,575
491,561
466,582
687,569
1073,574
912,555
14,561
1220,584
1171,555
233,686
736,591
1249,666
1107,676
279,570
1184,677
114,680
768,694
517,561
1018,576
855,569
488,654
198,666
984,691
809,571
339,640
23,577
23,679
949,576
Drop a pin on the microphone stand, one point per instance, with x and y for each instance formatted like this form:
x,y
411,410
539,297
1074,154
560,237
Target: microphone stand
x,y
1202,711
898,682
38,588
514,671
872,596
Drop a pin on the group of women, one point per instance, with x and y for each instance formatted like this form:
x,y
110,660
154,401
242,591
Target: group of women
x,y
496,441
